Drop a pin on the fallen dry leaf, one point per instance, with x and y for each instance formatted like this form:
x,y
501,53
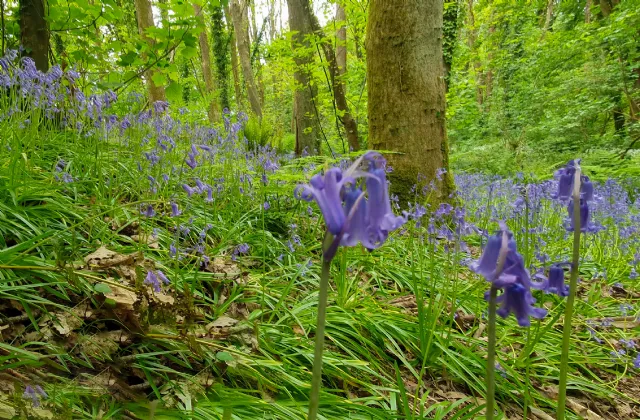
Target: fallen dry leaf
x,y
581,410
124,298
103,258
222,322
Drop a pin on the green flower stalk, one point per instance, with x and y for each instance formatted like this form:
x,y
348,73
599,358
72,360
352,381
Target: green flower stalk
x,y
351,217
577,220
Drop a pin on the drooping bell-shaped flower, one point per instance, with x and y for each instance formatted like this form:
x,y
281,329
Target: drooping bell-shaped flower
x,y
517,299
355,206
325,190
584,216
382,220
555,283
353,214
487,264
586,189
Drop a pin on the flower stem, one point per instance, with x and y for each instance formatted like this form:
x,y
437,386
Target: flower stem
x,y
491,355
568,312
316,379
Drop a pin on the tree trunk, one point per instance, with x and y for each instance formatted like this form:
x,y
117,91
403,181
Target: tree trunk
x,y
471,42
340,86
220,40
406,105
144,15
587,12
237,85
307,126
337,83
34,32
213,111
239,14
549,17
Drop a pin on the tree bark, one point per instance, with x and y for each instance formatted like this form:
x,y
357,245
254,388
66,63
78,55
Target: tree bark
x,y
340,85
144,15
237,85
549,17
239,14
34,32
406,104
213,111
337,83
587,12
307,126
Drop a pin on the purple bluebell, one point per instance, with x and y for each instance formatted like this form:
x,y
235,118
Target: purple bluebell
x,y
191,161
34,394
325,190
189,190
162,277
351,214
555,283
585,225
173,251
175,210
636,361
152,280
149,211
266,205
517,299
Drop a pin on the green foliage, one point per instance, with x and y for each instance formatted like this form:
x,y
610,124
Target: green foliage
x,y
524,96
257,133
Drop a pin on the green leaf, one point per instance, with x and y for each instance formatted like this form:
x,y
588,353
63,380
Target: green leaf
x,y
174,92
102,288
159,79
224,356
189,52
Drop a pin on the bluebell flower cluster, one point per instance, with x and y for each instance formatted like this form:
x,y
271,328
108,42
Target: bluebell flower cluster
x,y
502,265
354,211
155,279
34,394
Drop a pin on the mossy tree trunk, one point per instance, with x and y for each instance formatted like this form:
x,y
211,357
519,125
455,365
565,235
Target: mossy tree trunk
x,y
233,52
305,118
34,32
240,16
405,75
213,110
144,15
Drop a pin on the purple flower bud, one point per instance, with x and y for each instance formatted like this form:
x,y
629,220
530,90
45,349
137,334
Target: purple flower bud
x,y
152,280
162,277
518,300
584,216
175,211
149,211
555,284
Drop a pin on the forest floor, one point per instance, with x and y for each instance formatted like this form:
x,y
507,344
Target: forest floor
x,y
125,294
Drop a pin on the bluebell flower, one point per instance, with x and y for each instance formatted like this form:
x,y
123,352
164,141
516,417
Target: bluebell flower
x,y
585,225
175,211
636,361
555,283
266,205
629,344
189,190
152,280
512,277
352,214
34,394
149,211
162,277
518,300
173,251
